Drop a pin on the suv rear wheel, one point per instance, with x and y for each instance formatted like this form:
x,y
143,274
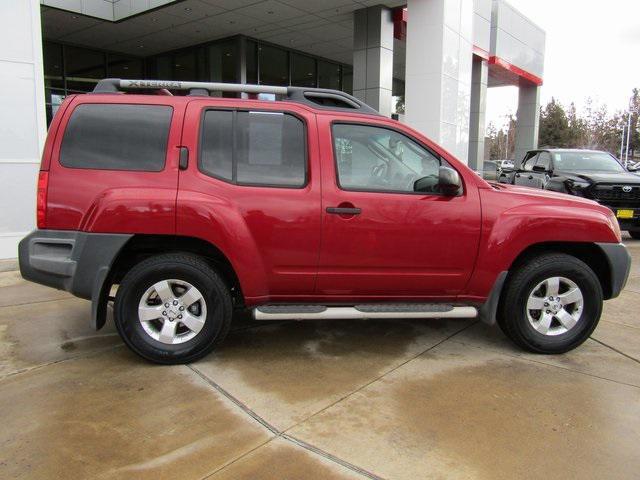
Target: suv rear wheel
x,y
551,304
172,308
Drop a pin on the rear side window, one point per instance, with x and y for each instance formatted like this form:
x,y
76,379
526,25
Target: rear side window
x,y
217,144
254,148
117,137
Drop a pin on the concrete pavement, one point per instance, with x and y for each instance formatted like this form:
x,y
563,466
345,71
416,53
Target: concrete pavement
x,y
339,399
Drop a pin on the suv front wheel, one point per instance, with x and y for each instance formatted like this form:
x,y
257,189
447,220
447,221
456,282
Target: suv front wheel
x,y
551,304
172,308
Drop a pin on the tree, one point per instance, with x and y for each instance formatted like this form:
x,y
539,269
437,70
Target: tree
x,y
502,142
555,130
564,127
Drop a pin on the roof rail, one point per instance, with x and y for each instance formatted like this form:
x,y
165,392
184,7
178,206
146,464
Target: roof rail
x,y
316,97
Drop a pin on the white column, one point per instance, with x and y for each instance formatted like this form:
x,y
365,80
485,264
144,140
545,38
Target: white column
x,y
438,71
22,119
528,116
479,79
373,57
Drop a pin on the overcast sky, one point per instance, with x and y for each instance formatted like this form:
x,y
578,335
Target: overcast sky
x,y
592,50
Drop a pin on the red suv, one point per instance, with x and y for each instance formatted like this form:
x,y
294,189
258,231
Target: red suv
x,y
184,209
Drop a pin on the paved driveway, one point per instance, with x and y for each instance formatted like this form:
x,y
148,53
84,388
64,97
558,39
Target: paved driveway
x,y
303,400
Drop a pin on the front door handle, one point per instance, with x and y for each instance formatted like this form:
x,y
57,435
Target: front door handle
x,y
344,210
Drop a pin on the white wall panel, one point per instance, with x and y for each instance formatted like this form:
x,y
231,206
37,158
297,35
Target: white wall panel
x,y
22,119
438,71
516,39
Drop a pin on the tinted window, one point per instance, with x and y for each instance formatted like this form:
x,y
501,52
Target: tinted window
x,y
328,75
274,65
217,143
373,158
544,160
269,148
303,71
529,163
117,137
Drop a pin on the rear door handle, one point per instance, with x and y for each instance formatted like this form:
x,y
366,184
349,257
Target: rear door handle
x,y
344,210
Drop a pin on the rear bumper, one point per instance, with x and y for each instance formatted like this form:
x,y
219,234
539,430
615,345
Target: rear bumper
x,y
619,262
77,262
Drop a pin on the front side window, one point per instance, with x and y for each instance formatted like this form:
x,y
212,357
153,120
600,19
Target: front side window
x,y
117,137
529,163
379,159
254,148
544,161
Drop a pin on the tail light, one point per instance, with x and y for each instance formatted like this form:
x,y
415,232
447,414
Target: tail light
x,y
41,199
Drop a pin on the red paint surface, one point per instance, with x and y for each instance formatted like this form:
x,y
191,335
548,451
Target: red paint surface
x,y
530,77
281,242
399,16
480,52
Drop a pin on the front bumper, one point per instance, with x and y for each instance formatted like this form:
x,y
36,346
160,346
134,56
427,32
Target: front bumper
x,y
619,262
77,262
626,223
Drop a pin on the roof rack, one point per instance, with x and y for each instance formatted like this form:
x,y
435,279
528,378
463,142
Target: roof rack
x,y
314,97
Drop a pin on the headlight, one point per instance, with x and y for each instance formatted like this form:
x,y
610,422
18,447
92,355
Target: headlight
x,y
576,187
578,184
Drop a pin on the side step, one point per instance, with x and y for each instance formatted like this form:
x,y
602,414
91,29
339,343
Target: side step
x,y
371,311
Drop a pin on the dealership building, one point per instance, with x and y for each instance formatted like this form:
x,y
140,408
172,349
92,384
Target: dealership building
x,y
429,62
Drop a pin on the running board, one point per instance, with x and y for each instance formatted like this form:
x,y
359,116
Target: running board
x,y
371,311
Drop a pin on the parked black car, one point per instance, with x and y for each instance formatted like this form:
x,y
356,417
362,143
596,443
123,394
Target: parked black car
x,y
585,173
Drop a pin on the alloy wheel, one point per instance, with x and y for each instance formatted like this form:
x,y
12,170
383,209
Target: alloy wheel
x,y
172,311
555,306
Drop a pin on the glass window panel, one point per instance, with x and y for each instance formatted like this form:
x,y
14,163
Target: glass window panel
x,y
274,65
217,141
223,62
270,149
164,70
544,160
52,59
397,87
120,66
184,66
117,137
252,62
328,75
303,70
54,91
380,159
83,68
347,79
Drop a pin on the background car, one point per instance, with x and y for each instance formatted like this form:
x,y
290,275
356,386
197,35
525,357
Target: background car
x,y
585,173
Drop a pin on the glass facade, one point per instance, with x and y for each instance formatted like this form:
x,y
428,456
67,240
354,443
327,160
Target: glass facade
x,y
70,69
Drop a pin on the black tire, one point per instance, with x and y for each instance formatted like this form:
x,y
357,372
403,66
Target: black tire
x,y
182,267
635,234
512,311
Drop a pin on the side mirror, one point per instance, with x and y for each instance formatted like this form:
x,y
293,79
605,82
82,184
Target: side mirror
x,y
539,169
448,183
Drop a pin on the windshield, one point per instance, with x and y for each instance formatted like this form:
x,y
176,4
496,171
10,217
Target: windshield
x,y
594,161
